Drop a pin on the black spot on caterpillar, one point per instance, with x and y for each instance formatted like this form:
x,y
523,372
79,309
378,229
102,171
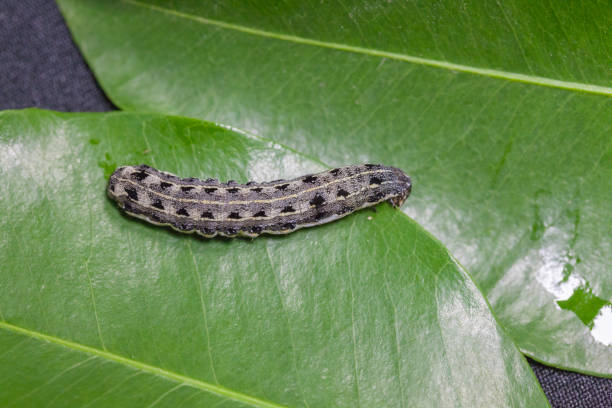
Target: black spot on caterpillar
x,y
287,209
276,207
131,192
317,201
139,175
207,214
375,180
342,193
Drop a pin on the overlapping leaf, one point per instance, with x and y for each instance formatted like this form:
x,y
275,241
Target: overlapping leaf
x,y
514,178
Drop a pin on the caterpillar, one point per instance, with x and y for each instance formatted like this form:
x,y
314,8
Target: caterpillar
x,y
210,208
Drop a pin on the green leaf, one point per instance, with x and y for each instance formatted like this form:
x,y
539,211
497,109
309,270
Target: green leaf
x,y
99,309
514,178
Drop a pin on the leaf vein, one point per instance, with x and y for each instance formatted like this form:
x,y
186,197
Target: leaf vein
x,y
493,73
150,369
196,276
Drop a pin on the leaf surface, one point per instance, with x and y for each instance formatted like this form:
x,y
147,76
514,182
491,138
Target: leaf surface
x,y
99,309
514,178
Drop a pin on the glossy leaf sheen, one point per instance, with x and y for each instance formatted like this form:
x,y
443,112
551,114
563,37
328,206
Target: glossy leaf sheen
x,y
507,36
514,178
98,309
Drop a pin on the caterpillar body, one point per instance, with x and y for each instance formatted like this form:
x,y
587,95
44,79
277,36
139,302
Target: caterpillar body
x,y
210,208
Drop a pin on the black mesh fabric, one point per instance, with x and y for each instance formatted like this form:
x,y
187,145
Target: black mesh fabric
x,y
572,390
40,66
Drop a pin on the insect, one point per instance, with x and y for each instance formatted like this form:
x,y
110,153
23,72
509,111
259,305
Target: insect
x,y
210,208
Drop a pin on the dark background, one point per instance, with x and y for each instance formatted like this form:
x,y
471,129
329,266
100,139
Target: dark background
x,y
40,66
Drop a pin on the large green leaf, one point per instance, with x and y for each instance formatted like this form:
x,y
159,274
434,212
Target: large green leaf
x,y
97,309
514,178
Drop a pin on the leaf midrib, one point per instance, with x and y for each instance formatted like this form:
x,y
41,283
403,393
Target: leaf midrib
x,y
493,73
172,376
